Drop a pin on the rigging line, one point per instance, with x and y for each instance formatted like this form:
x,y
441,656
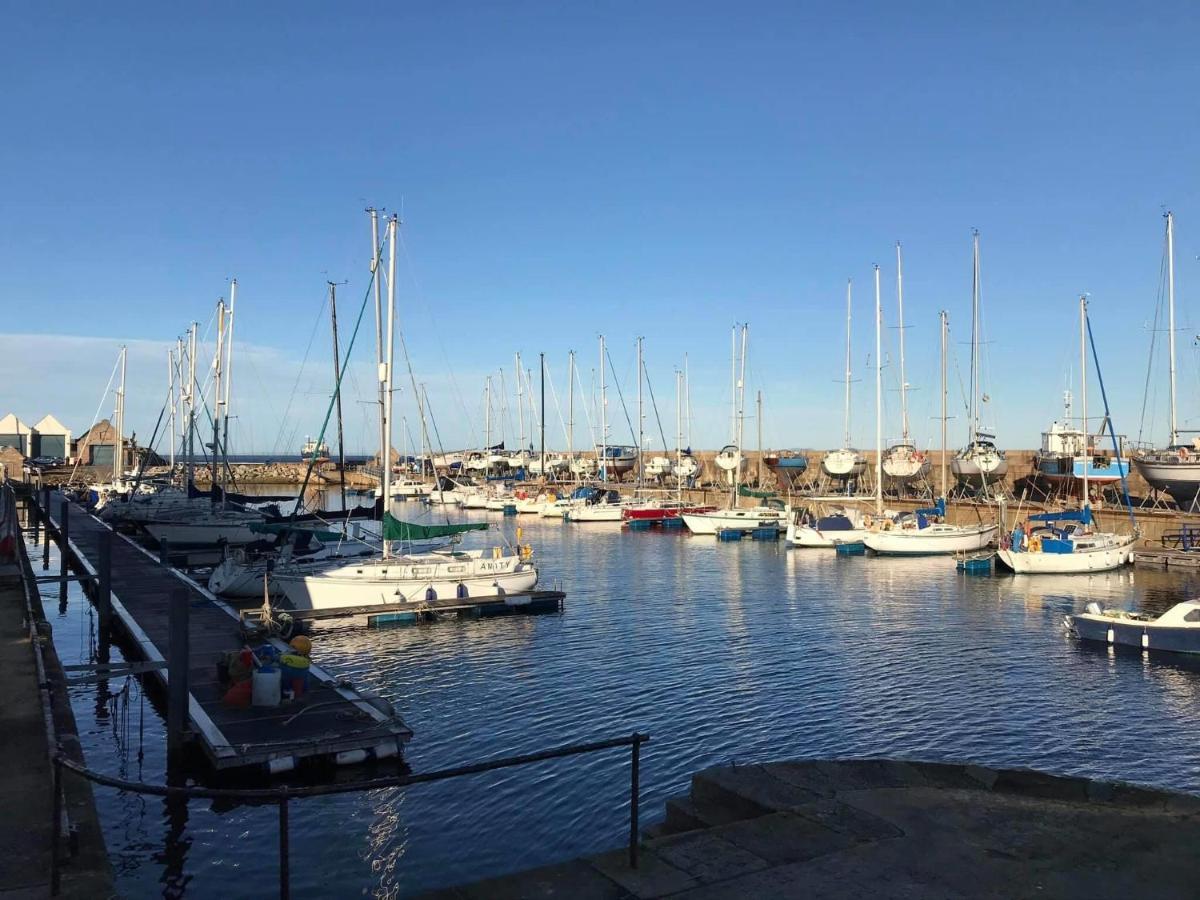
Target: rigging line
x,y
557,406
1162,276
624,409
1116,447
300,374
654,406
333,397
412,274
99,406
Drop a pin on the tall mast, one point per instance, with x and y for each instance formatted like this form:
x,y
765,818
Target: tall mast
x,y
741,433
603,417
945,327
227,380
385,382
687,405
487,421
218,400
974,424
521,399
119,443
191,395
846,415
1087,454
571,408
171,395
180,416
542,417
903,380
1171,319
679,435
337,388
641,418
379,323
758,419
878,398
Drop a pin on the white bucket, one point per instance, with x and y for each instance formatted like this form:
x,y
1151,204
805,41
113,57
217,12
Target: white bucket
x,y
265,688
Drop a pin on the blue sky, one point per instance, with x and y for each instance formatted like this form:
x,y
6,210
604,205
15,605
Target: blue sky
x,y
660,169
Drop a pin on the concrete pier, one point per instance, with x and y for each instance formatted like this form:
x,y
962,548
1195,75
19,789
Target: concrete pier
x,y
889,828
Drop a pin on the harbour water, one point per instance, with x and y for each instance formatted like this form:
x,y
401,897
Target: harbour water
x,y
720,651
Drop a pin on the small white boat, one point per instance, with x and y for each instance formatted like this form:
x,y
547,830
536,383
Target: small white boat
x,y
600,506
209,529
923,532
828,528
240,574
737,519
407,488
1176,630
1064,552
844,463
728,459
903,463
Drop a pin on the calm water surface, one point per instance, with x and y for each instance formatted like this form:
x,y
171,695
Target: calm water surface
x,y
720,651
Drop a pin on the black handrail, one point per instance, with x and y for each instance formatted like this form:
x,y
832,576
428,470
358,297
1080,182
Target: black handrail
x,y
283,794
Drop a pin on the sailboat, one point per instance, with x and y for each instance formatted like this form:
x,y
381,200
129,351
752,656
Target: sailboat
x,y
1077,548
732,516
924,532
220,521
391,578
980,464
903,463
1066,456
1175,469
845,464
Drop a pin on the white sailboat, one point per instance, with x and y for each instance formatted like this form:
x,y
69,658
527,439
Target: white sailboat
x,y
845,464
1077,548
924,532
1175,469
903,463
389,578
981,464
733,516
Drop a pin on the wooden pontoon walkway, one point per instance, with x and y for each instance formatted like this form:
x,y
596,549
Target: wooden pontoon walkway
x,y
330,721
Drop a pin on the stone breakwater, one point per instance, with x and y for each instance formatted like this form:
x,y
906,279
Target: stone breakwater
x,y
277,473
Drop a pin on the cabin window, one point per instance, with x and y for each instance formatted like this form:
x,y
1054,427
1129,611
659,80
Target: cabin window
x,y
1192,616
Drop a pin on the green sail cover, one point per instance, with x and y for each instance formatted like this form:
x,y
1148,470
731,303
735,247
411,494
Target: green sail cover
x,y
395,530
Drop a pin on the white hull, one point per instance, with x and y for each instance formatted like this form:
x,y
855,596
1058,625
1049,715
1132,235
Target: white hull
x,y
843,464
1117,551
740,519
933,540
904,463
978,470
182,534
807,536
375,584
1181,480
600,512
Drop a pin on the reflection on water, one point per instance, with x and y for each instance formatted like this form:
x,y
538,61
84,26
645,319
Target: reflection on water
x,y
720,651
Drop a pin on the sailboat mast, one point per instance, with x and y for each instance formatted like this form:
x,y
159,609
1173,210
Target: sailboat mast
x,y
218,400
641,418
878,398
521,399
846,414
542,417
571,408
1087,453
171,400
679,435
741,424
603,462
758,418
733,438
337,388
191,395
119,443
974,424
228,374
487,420
385,382
1171,319
945,327
687,405
903,379
379,324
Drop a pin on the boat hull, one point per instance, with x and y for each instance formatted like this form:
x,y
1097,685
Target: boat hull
x,y
930,541
1180,480
807,536
1099,559
180,535
975,472
737,519
1132,633
333,591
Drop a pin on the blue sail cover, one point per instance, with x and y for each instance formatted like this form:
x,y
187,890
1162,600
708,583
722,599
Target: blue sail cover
x,y
1083,516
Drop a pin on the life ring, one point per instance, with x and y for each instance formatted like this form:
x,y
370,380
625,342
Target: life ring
x,y
919,456
1035,544
887,525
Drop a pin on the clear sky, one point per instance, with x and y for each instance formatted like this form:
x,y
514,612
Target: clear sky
x,y
566,169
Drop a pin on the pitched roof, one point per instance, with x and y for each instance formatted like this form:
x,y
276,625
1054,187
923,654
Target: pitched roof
x,y
10,424
51,425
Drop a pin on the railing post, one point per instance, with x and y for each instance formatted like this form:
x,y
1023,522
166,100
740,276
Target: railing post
x,y
104,589
56,828
285,874
64,527
177,669
46,545
164,552
36,515
634,779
